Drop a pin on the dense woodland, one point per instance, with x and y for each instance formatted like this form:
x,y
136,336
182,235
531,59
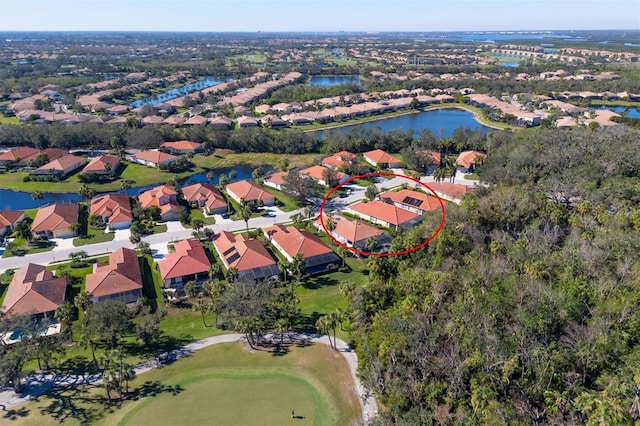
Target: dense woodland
x,y
525,309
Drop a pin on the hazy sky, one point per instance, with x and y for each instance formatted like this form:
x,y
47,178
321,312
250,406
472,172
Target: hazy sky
x,y
317,15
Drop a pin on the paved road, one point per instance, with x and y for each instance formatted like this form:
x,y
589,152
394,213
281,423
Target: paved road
x,y
176,232
37,384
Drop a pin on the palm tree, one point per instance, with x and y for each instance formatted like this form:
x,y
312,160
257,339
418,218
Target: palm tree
x,y
191,289
75,228
332,321
233,174
203,307
309,212
245,214
65,313
232,274
86,191
37,195
82,301
214,270
23,229
322,324
284,265
87,340
297,265
439,174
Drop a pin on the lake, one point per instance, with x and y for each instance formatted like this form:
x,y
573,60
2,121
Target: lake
x,y
440,122
206,82
18,200
631,112
334,80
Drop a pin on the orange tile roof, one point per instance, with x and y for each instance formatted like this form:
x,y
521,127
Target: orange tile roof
x,y
293,241
33,289
120,275
467,158
317,173
277,178
55,217
242,253
379,156
386,212
20,152
10,217
182,145
339,159
248,190
155,156
152,197
98,164
204,191
435,156
412,198
189,258
116,206
451,190
352,230
63,163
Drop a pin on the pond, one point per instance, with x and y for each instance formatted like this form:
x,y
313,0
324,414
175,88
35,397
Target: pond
x,y
622,110
18,200
204,83
441,122
334,80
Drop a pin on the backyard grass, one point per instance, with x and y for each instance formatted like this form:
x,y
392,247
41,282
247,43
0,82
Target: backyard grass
x,y
227,158
136,174
221,384
93,237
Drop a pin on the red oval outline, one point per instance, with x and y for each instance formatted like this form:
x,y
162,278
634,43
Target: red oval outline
x,y
395,253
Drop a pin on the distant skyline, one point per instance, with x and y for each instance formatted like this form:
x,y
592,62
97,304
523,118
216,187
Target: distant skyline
x,y
318,15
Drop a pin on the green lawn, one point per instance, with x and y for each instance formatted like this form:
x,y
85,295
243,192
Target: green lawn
x,y
136,174
227,158
197,214
24,248
284,202
223,384
94,236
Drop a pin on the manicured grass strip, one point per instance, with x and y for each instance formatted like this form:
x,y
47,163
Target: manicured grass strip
x,y
288,204
94,236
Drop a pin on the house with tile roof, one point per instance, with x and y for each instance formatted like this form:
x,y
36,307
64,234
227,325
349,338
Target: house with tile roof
x,y
154,158
15,155
414,201
182,147
467,160
113,209
120,280
221,122
247,255
318,173
356,233
54,221
102,165
451,191
9,219
386,215
340,160
205,196
61,166
189,262
247,191
289,241
276,180
380,158
34,290
165,197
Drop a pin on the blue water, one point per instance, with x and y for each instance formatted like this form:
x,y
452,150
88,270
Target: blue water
x,y
334,80
511,64
631,112
17,200
179,91
440,122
